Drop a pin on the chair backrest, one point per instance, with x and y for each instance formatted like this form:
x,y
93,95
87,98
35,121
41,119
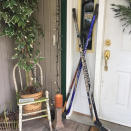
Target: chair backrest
x,y
36,66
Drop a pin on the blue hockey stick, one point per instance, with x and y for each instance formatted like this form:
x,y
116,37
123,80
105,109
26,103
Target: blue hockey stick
x,y
92,106
80,63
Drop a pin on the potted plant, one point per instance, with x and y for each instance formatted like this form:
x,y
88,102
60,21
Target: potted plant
x,y
18,22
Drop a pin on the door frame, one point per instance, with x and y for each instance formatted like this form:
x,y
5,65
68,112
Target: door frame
x,y
99,53
63,47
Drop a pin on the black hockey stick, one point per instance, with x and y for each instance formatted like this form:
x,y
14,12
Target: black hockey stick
x,y
76,77
91,101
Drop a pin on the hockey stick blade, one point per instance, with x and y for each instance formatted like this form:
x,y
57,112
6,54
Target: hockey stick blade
x,y
94,128
104,129
99,125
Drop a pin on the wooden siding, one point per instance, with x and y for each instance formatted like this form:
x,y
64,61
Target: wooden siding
x,y
6,66
47,18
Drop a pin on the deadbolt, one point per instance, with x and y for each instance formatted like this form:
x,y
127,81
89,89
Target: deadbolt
x,y
108,42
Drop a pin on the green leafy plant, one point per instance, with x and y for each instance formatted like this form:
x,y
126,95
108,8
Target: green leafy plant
x,y
18,22
124,13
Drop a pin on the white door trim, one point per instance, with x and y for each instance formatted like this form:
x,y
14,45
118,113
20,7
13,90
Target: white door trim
x,y
99,53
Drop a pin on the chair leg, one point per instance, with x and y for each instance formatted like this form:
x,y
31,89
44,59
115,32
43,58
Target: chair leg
x,y
48,110
20,117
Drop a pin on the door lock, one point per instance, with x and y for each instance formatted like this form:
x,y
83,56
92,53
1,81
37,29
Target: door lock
x,y
108,42
106,56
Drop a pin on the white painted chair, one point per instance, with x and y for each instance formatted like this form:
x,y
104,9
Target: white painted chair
x,y
41,100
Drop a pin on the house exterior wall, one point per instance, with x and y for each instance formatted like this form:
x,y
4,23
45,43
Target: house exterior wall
x,y
80,103
7,94
50,45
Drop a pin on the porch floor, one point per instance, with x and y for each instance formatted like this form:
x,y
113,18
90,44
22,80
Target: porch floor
x,y
69,125
83,119
42,125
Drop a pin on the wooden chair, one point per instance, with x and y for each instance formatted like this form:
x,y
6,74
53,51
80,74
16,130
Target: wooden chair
x,y
41,100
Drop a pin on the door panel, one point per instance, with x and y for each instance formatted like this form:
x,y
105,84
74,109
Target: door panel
x,y
115,99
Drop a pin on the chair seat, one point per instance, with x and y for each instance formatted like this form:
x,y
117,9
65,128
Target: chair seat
x,y
43,99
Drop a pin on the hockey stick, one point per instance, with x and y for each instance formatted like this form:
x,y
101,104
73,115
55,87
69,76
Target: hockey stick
x,y
70,88
90,96
80,64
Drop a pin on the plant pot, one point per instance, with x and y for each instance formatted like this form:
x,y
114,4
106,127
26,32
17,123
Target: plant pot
x,y
33,107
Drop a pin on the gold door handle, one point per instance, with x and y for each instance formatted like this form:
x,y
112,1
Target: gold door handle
x,y
106,56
